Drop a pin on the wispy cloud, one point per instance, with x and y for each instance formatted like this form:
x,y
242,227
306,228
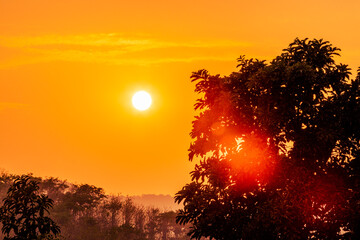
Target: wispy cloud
x,y
110,39
115,48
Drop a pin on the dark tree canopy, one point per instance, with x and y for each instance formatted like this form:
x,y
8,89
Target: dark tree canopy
x,y
24,213
277,146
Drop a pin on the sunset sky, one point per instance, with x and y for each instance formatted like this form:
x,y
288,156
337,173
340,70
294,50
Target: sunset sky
x,y
68,70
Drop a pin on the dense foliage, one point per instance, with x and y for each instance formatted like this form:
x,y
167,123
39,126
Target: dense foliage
x,y
278,149
85,212
23,215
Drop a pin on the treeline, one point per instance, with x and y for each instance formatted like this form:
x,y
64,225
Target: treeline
x,y
85,212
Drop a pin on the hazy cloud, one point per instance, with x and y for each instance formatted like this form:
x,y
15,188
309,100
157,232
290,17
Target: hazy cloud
x,y
114,49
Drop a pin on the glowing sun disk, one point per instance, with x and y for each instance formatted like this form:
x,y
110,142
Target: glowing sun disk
x,y
141,100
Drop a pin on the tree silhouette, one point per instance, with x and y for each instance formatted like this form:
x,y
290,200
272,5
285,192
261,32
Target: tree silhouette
x,y
152,225
85,212
278,149
23,214
113,206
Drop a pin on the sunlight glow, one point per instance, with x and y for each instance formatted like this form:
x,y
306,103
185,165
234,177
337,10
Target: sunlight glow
x,y
141,100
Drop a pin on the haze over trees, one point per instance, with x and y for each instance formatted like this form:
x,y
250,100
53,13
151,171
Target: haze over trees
x,y
277,149
82,211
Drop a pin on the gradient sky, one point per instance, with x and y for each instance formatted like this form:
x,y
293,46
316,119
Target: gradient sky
x,y
68,70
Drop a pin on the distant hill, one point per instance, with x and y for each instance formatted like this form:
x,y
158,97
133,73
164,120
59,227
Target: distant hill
x,y
163,202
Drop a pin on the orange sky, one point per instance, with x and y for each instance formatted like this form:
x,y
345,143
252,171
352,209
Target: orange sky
x,y
68,70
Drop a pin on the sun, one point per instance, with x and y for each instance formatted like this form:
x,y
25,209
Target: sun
x,y
141,100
